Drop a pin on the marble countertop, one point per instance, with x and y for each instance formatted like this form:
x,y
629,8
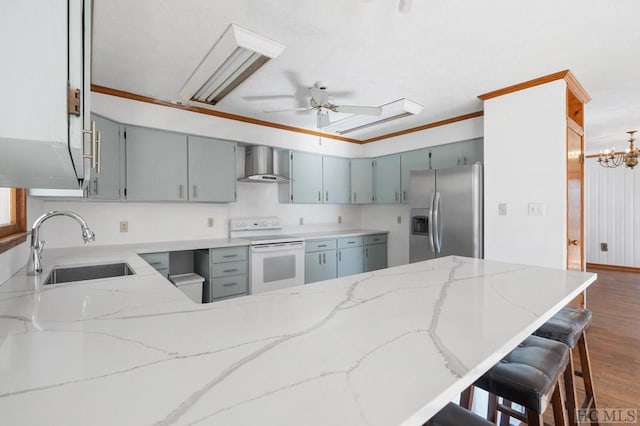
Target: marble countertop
x,y
339,234
389,347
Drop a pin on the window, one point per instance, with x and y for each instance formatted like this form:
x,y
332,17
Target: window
x,y
13,211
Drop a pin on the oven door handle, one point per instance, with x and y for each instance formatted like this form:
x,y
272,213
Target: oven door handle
x,y
265,248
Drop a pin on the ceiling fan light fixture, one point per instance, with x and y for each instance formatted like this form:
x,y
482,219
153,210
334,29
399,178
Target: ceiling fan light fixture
x,y
391,111
236,55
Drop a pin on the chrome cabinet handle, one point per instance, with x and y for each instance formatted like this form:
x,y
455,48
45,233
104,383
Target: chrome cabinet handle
x,y
396,196
404,195
99,152
95,186
181,191
351,242
319,258
319,195
354,197
230,270
195,191
322,245
366,252
339,256
324,258
326,196
229,255
230,284
94,143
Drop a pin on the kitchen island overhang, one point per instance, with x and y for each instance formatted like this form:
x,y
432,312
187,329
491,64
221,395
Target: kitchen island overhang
x,y
387,347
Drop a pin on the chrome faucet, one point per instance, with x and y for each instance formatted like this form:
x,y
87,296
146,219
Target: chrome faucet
x,y
34,266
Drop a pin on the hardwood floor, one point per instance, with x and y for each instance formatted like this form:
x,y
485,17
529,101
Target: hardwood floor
x,y
614,338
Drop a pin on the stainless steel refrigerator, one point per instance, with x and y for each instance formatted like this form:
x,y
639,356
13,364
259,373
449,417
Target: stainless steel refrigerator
x,y
446,212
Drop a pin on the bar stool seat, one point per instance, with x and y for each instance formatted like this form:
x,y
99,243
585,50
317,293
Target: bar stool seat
x,y
529,376
569,326
454,415
566,326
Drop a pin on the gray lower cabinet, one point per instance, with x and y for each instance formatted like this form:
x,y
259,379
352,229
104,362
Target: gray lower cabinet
x,y
350,256
225,271
159,261
320,260
106,184
375,252
156,164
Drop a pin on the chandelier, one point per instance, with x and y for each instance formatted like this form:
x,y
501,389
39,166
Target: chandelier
x,y
610,158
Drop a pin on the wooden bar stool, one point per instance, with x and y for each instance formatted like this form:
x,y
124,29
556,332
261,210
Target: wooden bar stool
x,y
454,415
569,327
529,376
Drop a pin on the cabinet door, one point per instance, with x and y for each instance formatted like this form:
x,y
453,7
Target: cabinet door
x,y
106,184
156,165
306,171
361,181
443,156
212,170
414,160
375,257
336,180
350,261
46,46
472,151
387,179
319,266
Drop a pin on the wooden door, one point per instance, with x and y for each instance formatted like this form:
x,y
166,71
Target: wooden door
x,y
575,197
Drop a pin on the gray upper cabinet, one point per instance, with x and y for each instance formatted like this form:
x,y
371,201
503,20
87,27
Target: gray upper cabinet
x,y
443,156
105,185
335,180
412,160
386,179
306,171
472,151
362,181
156,164
212,170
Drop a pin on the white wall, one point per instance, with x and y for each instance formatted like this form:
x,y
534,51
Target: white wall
x,y
525,161
612,200
16,258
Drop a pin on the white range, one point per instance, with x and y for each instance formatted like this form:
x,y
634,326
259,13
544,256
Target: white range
x,y
276,261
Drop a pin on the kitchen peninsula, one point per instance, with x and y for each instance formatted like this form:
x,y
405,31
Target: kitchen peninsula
x,y
387,347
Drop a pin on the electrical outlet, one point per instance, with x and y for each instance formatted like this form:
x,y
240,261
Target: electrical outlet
x,y
604,247
124,226
339,219
302,221
502,209
536,209
399,220
210,222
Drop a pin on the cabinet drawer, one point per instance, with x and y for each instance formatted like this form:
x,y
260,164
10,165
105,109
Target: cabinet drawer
x,y
229,268
320,245
350,242
375,239
229,254
228,286
157,260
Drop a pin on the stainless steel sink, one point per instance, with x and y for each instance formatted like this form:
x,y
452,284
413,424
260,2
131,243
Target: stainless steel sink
x,y
89,272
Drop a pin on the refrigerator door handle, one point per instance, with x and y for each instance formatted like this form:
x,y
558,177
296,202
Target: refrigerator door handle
x,y
437,226
430,227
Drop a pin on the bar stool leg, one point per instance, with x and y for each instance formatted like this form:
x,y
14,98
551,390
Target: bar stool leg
x,y
492,408
570,391
466,398
559,409
585,363
534,419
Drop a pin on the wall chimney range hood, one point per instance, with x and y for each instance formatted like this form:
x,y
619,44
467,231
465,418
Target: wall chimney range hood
x,y
258,166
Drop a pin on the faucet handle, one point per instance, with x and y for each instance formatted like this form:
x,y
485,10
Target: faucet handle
x,y
40,246
88,235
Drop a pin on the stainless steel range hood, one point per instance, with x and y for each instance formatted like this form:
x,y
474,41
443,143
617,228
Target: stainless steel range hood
x,y
258,166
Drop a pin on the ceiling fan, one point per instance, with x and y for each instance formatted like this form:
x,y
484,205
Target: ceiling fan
x,y
321,101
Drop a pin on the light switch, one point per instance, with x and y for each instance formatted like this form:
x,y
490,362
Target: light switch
x,y
536,209
502,209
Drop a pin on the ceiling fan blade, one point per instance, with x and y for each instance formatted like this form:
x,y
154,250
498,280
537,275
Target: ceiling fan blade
x,y
269,111
362,110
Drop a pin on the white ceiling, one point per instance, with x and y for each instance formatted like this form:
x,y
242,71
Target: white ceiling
x,y
441,54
